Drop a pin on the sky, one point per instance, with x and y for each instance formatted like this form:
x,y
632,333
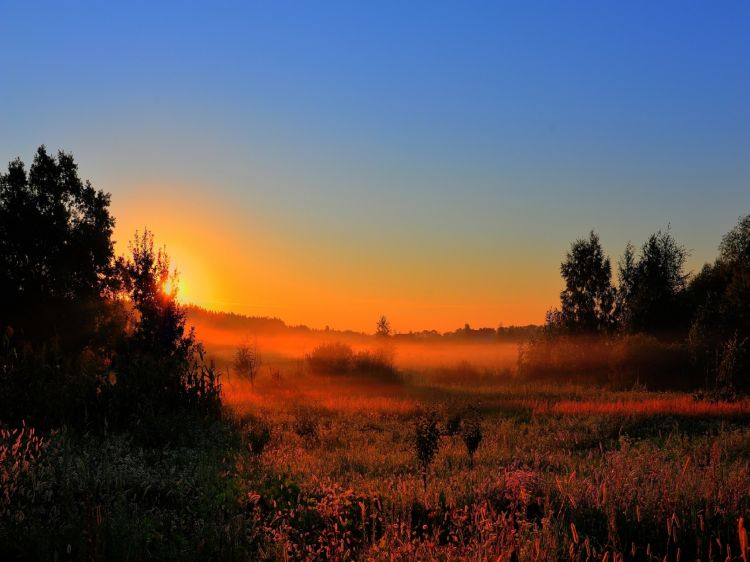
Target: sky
x,y
328,162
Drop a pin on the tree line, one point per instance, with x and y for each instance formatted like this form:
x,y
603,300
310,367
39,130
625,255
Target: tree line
x,y
703,317
88,338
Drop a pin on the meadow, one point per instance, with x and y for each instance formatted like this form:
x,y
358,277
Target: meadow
x,y
308,465
561,471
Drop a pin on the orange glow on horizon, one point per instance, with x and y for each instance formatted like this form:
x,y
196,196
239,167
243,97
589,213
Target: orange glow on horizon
x,y
251,265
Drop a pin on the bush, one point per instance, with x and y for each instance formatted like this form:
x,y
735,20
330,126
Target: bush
x,y
426,441
471,433
641,359
620,362
339,359
376,365
331,359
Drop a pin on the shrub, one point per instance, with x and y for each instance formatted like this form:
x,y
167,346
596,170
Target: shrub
x,y
426,441
471,433
331,359
339,359
377,365
619,361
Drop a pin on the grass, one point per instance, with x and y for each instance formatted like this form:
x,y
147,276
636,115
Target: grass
x,y
325,468
560,473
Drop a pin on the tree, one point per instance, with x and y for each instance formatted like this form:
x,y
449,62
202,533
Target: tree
x,y
627,271
588,298
735,244
152,287
720,298
56,247
383,327
161,369
654,301
247,362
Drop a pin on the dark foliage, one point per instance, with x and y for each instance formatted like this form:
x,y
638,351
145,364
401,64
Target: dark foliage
x,y
664,330
56,252
587,302
471,433
426,441
87,340
653,296
340,359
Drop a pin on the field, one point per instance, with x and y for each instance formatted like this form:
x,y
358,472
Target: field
x,y
324,466
561,472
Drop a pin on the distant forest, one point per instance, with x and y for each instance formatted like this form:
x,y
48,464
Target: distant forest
x,y
266,325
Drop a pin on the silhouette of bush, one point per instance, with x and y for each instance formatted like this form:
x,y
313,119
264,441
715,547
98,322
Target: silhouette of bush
x,y
426,441
732,369
617,361
339,359
471,433
376,365
331,359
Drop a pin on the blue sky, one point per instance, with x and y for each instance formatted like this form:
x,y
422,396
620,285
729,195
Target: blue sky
x,y
432,159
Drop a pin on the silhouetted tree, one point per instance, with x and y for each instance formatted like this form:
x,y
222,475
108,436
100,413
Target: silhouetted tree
x,y
88,340
655,286
56,250
383,327
162,369
720,296
735,245
627,271
247,362
587,301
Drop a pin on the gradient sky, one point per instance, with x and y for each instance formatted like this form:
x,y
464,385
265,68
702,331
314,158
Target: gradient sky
x,y
326,162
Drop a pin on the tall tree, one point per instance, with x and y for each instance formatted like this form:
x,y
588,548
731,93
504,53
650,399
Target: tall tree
x,y
655,300
627,272
587,302
55,243
735,244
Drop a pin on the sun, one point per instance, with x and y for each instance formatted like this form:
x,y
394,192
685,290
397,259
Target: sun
x,y
174,286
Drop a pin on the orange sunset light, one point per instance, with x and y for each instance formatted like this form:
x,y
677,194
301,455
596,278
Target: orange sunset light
x,y
270,266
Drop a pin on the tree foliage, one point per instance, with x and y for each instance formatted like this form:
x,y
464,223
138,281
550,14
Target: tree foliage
x,y
587,302
88,339
656,285
426,441
383,327
56,252
247,362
